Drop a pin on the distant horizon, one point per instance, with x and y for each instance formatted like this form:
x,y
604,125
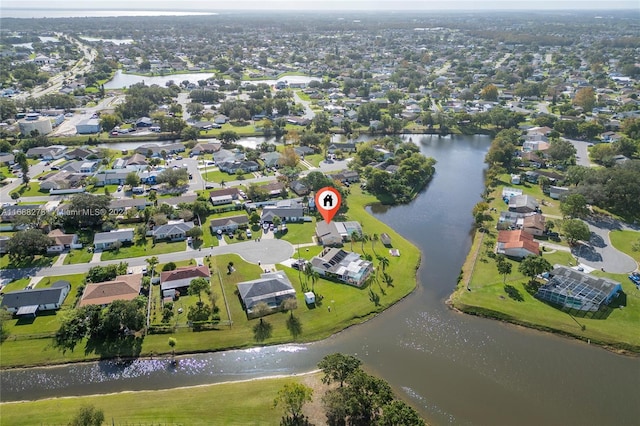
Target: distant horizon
x,y
323,5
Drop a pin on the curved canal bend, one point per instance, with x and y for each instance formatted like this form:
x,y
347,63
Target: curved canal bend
x,y
455,369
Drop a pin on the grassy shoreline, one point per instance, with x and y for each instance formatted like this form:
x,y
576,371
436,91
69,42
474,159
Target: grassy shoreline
x,y
317,324
488,299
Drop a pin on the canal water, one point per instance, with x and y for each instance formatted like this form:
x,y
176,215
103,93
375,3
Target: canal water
x,y
455,369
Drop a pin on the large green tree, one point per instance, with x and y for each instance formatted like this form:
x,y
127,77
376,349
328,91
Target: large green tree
x,y
532,266
337,367
575,230
28,243
86,210
292,398
574,205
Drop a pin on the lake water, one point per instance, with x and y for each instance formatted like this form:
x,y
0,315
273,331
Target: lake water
x,y
121,80
455,369
109,40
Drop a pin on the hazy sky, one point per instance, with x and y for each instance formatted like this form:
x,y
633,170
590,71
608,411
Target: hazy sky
x,y
325,4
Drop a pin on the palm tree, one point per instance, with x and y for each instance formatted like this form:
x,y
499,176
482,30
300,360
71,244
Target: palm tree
x,y
383,262
363,239
374,240
355,236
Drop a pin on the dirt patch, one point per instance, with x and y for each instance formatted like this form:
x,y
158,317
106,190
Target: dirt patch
x,y
315,410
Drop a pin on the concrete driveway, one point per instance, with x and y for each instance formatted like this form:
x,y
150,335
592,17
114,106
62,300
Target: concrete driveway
x,y
600,253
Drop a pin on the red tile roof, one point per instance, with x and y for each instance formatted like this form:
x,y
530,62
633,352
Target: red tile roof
x,y
185,272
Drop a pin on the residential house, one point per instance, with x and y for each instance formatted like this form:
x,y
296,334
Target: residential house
x,y
174,230
111,177
105,240
299,188
29,302
144,122
557,192
137,160
174,201
534,160
517,244
510,192
180,279
232,166
224,196
52,152
523,204
535,145
155,150
272,288
61,180
62,241
301,151
610,137
287,210
122,287
206,148
148,177
344,266
83,167
349,176
335,233
228,224
6,159
532,223
78,154
574,289
274,189
271,159
342,146
120,205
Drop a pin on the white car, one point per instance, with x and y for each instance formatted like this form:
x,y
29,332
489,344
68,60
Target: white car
x,y
249,234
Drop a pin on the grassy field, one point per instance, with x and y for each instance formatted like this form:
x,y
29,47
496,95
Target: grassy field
x,y
37,261
298,233
149,248
349,305
217,176
78,256
30,190
513,301
624,240
238,403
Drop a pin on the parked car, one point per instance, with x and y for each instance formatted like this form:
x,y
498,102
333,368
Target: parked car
x,y
119,188
248,234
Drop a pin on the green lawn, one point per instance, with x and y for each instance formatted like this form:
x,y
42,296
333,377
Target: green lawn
x,y
148,249
239,403
624,240
550,206
513,302
100,189
6,171
298,233
216,175
38,261
78,256
30,190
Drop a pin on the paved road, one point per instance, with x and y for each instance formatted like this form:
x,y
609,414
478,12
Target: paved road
x,y
267,251
600,253
582,152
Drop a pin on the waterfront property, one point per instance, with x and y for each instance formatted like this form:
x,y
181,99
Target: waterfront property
x,y
342,265
517,244
335,233
180,279
123,287
573,289
272,288
29,301
531,223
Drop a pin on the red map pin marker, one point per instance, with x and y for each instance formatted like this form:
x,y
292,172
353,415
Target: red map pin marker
x,y
328,202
